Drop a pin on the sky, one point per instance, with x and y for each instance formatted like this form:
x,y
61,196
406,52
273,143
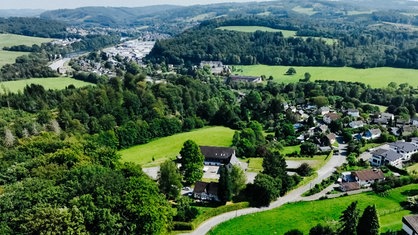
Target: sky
x,y
60,4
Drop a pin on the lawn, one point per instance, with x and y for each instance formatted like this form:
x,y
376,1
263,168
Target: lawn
x,y
304,10
255,164
169,147
413,169
290,149
305,215
7,40
375,77
48,83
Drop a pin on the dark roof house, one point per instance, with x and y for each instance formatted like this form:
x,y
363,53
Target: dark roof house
x,y
217,155
206,191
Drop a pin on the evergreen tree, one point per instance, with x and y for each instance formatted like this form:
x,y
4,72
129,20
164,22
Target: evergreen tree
x,y
369,222
349,220
191,162
169,180
225,184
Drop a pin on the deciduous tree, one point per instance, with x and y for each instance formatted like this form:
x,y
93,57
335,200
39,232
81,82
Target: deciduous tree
x,y
169,179
191,162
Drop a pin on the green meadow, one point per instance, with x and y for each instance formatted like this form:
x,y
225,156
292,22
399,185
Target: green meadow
x,y
57,83
159,150
305,215
375,77
7,40
286,33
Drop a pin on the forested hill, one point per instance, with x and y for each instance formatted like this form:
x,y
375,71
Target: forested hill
x,y
357,44
107,16
31,26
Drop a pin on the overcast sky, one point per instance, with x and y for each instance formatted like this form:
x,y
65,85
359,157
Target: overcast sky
x,y
60,4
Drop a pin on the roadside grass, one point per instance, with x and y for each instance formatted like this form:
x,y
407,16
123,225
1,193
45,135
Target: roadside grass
x,y
159,150
8,40
375,77
305,215
57,83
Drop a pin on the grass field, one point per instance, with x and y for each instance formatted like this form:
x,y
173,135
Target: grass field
x,y
290,149
375,77
286,33
48,83
169,147
303,10
255,164
305,215
7,40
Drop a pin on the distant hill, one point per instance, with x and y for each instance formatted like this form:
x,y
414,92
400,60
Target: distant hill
x,y
20,12
106,16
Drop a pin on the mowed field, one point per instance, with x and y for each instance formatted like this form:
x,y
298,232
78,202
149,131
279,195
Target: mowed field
x,y
305,215
169,147
375,77
48,83
7,40
286,33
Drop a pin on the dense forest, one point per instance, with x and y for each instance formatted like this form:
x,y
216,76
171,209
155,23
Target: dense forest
x,y
35,27
357,47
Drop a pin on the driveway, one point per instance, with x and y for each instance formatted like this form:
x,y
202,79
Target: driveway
x,y
292,196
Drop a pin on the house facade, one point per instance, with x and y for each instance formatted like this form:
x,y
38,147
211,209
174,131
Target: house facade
x,y
206,191
329,117
372,134
381,157
410,224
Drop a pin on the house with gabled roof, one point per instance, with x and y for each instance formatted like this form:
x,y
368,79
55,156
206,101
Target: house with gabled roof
x,y
217,156
381,157
353,113
404,148
359,179
372,134
356,124
329,117
410,224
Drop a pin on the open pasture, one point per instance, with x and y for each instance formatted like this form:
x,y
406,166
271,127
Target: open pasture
x,y
57,83
375,77
305,215
159,150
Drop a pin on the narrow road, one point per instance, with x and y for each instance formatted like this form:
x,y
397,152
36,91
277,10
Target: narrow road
x,y
292,196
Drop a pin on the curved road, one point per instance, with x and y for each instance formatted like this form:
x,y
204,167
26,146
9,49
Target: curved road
x,y
292,196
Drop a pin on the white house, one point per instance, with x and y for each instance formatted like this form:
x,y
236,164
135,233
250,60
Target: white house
x,y
404,148
323,110
367,177
410,224
382,157
372,134
353,112
356,124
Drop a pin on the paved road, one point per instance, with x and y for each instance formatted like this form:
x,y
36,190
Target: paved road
x,y
293,196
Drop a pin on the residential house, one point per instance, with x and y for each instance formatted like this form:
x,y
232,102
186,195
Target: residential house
x,y
400,121
360,179
410,224
249,79
321,129
404,148
382,157
323,110
217,156
414,121
332,138
384,118
387,116
206,191
353,113
356,124
372,134
367,177
408,130
329,117
216,67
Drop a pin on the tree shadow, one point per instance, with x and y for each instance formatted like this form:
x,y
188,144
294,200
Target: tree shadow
x,y
410,193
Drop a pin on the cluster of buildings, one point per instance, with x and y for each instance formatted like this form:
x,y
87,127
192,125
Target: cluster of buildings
x,y
394,154
133,50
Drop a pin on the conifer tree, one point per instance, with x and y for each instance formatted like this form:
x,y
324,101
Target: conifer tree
x,y
369,222
349,220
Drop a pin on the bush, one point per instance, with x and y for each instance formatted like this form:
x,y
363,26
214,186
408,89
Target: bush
x,y
182,226
305,169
